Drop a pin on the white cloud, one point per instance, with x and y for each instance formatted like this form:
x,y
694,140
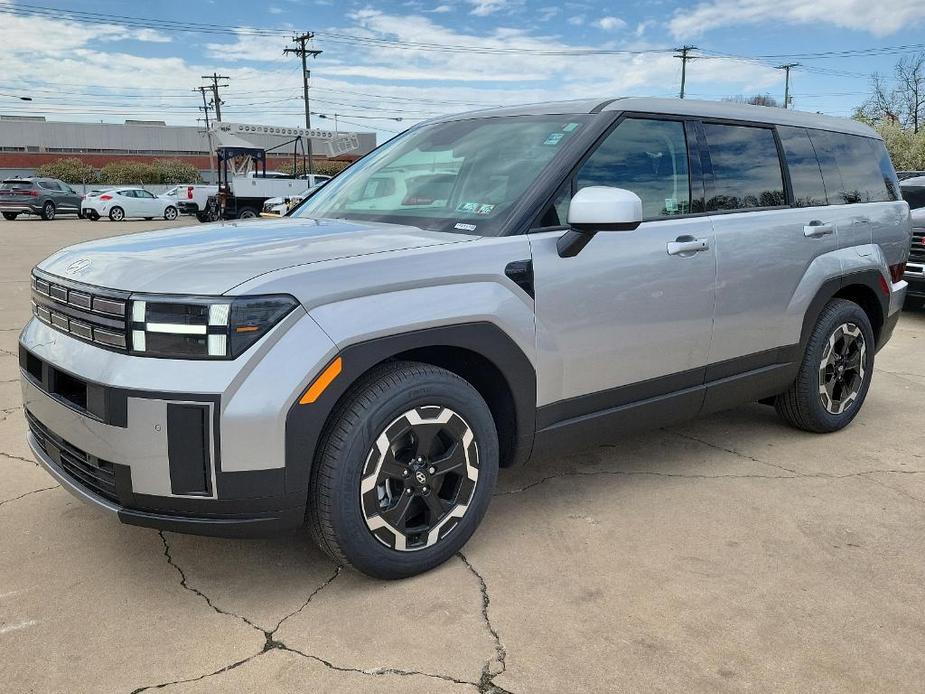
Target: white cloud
x,y
861,15
272,9
643,27
483,8
441,9
610,23
577,20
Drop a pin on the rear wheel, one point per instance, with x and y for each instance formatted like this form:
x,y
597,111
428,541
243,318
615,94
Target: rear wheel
x,y
10,216
202,217
170,213
92,215
404,472
48,211
247,213
116,214
835,374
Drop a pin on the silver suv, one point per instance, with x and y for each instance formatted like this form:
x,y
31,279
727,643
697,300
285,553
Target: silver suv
x,y
482,288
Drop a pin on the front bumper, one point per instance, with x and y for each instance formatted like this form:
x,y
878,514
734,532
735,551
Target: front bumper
x,y
177,445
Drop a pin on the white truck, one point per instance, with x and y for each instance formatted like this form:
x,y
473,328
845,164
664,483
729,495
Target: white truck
x,y
193,199
244,184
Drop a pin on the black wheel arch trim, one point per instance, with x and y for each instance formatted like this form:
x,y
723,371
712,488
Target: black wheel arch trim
x,y
871,278
305,424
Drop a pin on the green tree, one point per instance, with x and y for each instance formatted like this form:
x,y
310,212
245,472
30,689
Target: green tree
x,y
175,171
71,170
328,167
906,147
130,173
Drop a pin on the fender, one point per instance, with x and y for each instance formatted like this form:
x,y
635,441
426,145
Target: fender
x,y
871,278
305,423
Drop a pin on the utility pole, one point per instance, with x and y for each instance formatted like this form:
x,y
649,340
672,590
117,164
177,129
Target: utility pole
x,y
205,110
216,101
684,50
304,51
787,68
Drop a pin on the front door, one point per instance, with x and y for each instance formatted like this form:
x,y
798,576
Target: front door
x,y
629,319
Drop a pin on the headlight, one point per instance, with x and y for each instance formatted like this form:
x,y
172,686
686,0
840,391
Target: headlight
x,y
203,328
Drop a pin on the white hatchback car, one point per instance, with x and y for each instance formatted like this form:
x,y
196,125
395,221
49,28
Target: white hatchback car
x,y
121,203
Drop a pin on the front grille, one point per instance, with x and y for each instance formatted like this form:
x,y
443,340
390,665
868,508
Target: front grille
x,y
88,471
88,313
917,252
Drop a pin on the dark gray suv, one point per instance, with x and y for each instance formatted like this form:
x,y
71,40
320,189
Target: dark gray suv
x,y
46,197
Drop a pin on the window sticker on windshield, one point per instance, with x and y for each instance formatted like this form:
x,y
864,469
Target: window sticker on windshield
x,y
485,209
553,138
465,227
569,127
467,207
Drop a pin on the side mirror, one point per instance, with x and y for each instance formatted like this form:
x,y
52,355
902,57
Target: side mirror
x,y
598,208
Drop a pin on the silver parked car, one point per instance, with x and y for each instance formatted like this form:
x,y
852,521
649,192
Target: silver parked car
x,y
482,288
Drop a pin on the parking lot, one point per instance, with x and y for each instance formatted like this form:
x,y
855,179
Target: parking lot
x,y
729,554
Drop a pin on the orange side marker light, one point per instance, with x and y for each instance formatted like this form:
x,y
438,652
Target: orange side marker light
x,y
321,383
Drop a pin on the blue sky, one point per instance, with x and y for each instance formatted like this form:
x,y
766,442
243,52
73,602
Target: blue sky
x,y
374,69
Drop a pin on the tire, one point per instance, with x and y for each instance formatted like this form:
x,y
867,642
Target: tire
x,y
93,215
247,213
48,211
10,216
398,407
116,214
202,217
170,213
815,402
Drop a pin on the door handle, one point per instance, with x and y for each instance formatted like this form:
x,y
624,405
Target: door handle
x,y
687,245
816,229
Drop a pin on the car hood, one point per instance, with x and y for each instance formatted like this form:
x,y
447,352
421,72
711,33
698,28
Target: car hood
x,y
214,258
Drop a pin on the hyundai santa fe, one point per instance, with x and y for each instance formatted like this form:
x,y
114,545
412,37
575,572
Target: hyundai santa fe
x,y
481,289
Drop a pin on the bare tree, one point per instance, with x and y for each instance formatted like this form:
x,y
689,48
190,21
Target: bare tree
x,y
903,103
757,100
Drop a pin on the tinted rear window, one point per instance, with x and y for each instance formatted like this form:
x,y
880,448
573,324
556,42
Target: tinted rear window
x,y
805,173
915,196
852,168
746,167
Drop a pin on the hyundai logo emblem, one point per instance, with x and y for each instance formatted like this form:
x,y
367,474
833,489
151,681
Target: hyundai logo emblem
x,y
421,477
78,266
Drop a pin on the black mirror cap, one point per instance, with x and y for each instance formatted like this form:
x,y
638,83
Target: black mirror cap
x,y
573,241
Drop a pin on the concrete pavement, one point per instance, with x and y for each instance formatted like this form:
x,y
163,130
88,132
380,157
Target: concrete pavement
x,y
728,554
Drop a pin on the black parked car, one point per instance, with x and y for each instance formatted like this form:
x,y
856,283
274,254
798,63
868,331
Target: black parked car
x,y
46,197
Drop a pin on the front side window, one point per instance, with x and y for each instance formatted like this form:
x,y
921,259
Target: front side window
x,y
805,172
746,167
460,176
647,157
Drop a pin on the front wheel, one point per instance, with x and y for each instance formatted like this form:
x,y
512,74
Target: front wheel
x,y
48,211
10,216
116,214
247,213
835,374
404,472
170,213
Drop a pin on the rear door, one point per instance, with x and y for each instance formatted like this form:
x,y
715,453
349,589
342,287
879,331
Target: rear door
x,y
764,245
70,198
626,321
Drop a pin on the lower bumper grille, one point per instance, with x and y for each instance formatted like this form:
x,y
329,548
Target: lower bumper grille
x,y
89,471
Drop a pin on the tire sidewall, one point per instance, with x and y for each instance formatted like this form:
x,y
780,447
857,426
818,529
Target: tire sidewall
x,y
48,211
112,214
171,213
359,545
847,313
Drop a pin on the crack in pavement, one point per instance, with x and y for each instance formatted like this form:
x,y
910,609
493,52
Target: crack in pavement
x,y
732,451
22,496
18,457
486,681
270,641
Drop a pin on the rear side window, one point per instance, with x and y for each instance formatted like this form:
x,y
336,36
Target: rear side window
x,y
648,157
805,172
746,167
915,196
49,185
852,168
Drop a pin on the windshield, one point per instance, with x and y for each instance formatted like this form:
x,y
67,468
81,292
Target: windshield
x,y
463,176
